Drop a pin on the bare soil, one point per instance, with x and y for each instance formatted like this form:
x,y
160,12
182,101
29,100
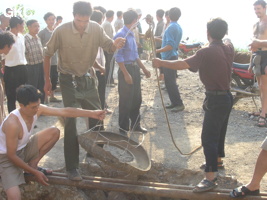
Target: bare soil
x,y
242,141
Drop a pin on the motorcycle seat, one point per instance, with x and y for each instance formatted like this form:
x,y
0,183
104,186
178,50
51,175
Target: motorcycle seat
x,y
241,66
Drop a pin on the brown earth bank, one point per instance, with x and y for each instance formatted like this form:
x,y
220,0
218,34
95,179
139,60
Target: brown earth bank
x,y
168,165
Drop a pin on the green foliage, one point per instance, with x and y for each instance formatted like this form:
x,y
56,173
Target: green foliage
x,y
147,45
23,12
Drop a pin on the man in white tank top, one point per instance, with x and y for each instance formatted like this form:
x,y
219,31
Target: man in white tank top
x,y
19,150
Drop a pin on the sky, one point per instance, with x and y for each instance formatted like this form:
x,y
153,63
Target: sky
x,y
239,14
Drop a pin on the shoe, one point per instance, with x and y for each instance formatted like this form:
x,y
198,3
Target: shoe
x,y
139,129
178,108
205,185
242,191
74,175
169,106
54,99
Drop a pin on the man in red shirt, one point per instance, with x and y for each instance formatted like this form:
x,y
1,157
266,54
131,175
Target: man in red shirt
x,y
214,65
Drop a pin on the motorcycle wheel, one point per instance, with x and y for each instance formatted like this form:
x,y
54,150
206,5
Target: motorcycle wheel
x,y
236,82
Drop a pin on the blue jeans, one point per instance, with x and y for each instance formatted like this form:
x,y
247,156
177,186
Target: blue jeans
x,y
217,111
171,85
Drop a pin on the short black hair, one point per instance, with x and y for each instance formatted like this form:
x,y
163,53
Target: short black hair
x,y
27,94
167,13
48,15
109,13
96,16
160,13
30,22
260,2
59,18
14,21
6,39
129,16
102,9
82,8
217,28
119,13
174,14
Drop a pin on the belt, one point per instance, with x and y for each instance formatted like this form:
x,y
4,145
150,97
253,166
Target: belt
x,y
130,63
217,92
74,76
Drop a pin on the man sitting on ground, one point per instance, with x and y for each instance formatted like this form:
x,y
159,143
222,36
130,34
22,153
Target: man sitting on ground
x,y
19,151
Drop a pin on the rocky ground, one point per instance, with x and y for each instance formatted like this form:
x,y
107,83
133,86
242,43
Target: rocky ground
x,y
168,165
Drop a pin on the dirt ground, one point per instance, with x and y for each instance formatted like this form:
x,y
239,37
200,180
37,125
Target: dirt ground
x,y
242,141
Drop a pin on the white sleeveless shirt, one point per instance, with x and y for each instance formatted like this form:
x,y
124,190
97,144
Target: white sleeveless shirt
x,y
26,134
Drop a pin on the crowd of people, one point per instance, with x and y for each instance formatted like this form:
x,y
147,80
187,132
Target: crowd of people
x,y
80,55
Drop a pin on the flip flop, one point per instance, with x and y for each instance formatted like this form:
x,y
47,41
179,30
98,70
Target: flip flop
x,y
205,185
45,171
261,122
243,191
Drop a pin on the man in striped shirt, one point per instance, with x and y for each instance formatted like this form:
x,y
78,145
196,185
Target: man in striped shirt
x,y
34,56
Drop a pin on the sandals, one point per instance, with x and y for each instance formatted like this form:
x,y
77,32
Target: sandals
x,y
205,185
243,191
261,122
219,165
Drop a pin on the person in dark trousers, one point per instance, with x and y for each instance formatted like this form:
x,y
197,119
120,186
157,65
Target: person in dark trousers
x,y
14,63
129,87
168,50
78,87
214,64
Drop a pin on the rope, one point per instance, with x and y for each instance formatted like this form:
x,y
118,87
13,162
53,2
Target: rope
x,y
152,40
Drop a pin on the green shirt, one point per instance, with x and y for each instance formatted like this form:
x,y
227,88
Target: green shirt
x,y
76,53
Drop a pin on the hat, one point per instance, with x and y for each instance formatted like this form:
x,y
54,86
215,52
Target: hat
x,y
139,11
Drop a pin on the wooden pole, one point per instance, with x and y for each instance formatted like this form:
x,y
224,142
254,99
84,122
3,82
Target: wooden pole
x,y
142,188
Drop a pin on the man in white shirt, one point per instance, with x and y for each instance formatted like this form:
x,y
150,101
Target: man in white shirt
x,y
14,63
118,24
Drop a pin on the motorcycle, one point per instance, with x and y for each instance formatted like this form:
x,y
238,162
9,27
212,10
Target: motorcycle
x,y
243,83
185,50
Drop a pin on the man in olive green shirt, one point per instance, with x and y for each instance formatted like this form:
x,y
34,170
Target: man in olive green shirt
x,y
77,44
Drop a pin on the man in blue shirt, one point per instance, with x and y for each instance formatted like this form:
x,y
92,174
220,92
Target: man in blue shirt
x,y
129,79
168,50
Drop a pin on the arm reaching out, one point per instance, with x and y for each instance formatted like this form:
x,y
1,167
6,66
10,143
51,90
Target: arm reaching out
x,y
71,112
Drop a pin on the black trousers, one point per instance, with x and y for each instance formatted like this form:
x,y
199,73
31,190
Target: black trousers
x,y
217,110
36,78
101,88
130,98
14,77
54,76
109,66
171,85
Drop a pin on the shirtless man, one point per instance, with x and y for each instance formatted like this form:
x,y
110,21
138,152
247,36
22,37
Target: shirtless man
x,y
260,33
19,149
253,187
